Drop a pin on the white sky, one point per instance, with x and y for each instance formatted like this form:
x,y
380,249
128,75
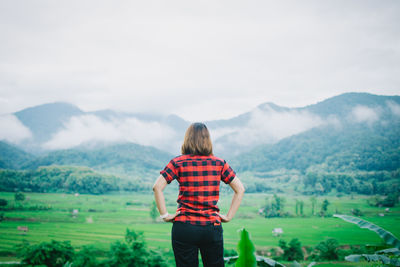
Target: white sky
x,y
201,60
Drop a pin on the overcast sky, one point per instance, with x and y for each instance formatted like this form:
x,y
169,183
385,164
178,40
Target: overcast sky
x,y
201,60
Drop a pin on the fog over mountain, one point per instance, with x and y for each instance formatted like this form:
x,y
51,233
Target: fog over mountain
x,y
58,126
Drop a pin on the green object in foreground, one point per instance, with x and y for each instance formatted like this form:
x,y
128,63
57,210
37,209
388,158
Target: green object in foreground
x,y
247,257
246,251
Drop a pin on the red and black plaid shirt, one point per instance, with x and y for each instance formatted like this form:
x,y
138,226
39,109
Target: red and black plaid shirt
x,y
199,178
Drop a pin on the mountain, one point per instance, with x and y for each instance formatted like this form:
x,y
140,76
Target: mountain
x,y
45,120
350,148
12,157
349,142
62,125
343,104
127,160
360,131
268,124
268,127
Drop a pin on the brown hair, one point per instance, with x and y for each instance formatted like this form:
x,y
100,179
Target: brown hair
x,y
197,140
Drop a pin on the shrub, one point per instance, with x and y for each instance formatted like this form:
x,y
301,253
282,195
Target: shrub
x,y
293,251
54,253
356,212
86,257
3,202
388,201
328,249
133,252
275,207
19,196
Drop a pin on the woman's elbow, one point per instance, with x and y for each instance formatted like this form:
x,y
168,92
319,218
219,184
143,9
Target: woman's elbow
x,y
156,187
241,190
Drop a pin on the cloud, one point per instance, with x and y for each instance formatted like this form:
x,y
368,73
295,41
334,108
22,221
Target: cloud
x,y
187,53
270,126
364,114
12,130
90,128
394,107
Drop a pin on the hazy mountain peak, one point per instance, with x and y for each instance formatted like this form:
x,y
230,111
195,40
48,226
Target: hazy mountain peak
x,y
44,120
58,107
272,106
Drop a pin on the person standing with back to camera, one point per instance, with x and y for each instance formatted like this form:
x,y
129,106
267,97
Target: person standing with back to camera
x,y
197,221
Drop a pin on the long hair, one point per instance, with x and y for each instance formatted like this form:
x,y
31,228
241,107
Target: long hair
x,y
197,140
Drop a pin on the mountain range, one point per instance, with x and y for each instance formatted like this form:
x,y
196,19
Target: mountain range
x,y
352,131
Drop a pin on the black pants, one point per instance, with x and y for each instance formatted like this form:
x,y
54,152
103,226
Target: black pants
x,y
187,239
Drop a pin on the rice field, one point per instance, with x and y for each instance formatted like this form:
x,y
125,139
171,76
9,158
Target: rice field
x,y
100,220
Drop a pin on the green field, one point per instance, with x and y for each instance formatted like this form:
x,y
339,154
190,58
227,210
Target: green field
x,y
103,219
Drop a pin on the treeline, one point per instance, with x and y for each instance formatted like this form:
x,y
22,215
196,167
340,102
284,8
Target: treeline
x,y
132,252
65,179
126,160
367,183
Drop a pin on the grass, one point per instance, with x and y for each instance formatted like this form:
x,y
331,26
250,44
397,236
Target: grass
x,y
103,219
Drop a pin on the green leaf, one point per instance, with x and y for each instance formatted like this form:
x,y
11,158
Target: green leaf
x,y
246,250
387,236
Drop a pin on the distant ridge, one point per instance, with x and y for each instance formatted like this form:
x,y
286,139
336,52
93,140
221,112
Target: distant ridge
x,y
12,157
44,120
265,125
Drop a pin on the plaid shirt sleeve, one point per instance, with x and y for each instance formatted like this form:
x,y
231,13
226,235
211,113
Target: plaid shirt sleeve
x,y
170,172
227,174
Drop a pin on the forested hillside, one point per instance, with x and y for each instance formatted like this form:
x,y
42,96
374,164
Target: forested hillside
x,y
12,157
366,148
128,160
65,179
348,143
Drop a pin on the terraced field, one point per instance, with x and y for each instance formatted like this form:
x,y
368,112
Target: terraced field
x,y
103,219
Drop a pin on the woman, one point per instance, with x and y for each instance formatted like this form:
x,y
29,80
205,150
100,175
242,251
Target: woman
x,y
197,221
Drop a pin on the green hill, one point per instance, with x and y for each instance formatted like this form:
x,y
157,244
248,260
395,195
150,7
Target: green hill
x,y
45,120
349,148
12,157
127,160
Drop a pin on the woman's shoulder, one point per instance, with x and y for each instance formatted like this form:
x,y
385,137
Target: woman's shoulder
x,y
186,157
217,158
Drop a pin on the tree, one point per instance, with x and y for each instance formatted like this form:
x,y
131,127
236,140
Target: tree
x,y
86,257
325,205
3,202
301,206
313,204
133,252
324,208
19,196
328,249
274,207
52,253
319,188
153,211
293,251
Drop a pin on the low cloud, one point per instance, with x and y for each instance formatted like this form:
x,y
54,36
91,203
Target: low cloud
x,y
394,107
270,126
364,114
90,128
12,130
